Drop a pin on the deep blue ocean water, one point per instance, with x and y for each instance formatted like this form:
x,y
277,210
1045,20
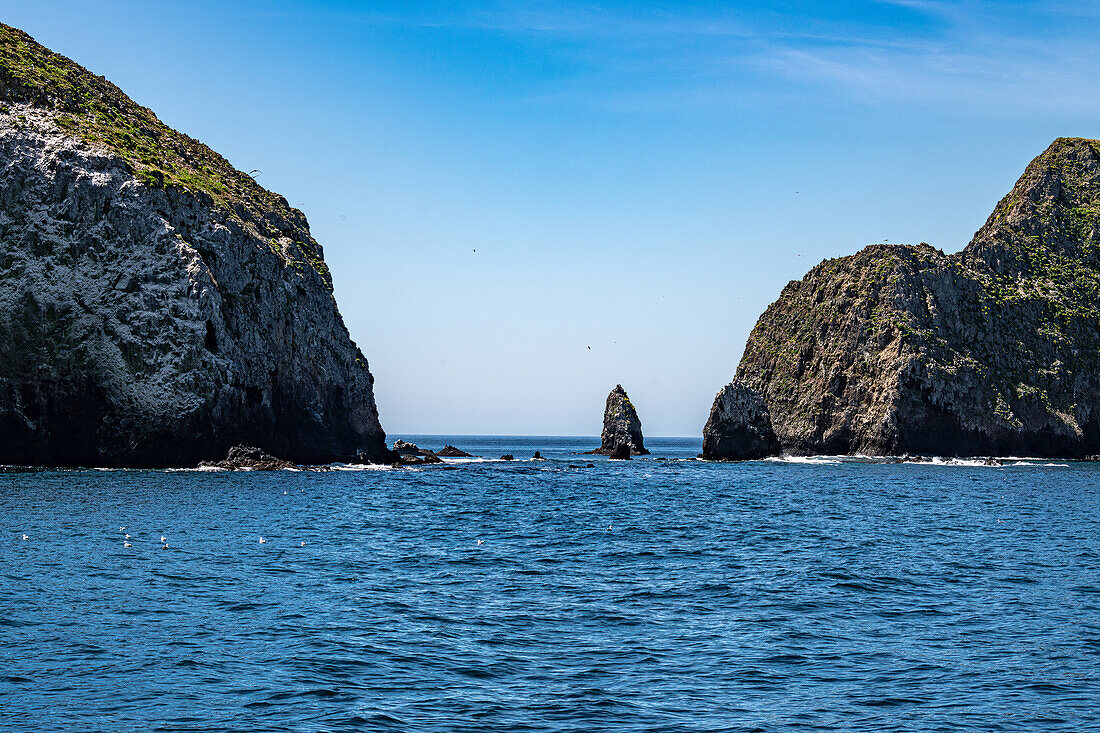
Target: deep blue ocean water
x,y
649,595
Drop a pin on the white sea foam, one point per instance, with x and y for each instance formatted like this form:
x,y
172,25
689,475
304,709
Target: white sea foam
x,y
360,467
994,462
946,461
814,460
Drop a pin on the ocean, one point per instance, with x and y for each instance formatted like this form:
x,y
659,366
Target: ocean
x,y
657,594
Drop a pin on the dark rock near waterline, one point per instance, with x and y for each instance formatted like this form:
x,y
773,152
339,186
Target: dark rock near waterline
x,y
404,448
423,457
621,426
620,452
249,458
450,451
157,306
507,457
994,350
538,456
739,427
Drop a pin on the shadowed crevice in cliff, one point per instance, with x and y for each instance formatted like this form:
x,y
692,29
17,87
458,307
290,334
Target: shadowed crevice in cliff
x,y
994,350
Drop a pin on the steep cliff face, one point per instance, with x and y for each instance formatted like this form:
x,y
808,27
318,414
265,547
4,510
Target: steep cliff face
x,y
157,306
993,350
622,430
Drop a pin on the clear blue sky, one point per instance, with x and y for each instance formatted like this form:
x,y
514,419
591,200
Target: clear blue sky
x,y
641,179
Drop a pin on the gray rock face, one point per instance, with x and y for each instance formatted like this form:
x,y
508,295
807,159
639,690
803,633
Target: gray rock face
x,y
146,326
994,350
622,430
739,427
404,448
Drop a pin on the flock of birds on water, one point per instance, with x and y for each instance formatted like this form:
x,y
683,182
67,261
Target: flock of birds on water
x,y
164,540
126,539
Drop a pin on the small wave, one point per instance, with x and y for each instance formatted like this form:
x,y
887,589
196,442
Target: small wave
x,y
970,462
967,462
815,460
360,467
991,462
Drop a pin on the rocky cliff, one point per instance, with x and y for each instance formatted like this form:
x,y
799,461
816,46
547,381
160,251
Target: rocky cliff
x,y
157,306
622,430
994,350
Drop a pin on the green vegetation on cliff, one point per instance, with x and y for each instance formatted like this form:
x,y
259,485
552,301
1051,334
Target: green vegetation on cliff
x,y
995,349
96,111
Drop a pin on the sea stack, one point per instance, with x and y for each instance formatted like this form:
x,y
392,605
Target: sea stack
x,y
994,350
157,306
622,430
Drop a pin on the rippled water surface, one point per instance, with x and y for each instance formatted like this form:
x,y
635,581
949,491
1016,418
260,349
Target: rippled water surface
x,y
649,595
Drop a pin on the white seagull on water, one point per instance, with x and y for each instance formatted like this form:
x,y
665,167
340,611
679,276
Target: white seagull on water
x,y
262,540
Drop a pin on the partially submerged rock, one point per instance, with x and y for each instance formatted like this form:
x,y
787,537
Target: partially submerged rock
x,y
449,451
249,458
739,427
404,448
622,430
408,459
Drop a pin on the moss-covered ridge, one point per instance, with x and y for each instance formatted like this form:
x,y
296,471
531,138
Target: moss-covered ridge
x,y
93,109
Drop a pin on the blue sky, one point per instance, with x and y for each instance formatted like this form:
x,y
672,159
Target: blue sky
x,y
638,178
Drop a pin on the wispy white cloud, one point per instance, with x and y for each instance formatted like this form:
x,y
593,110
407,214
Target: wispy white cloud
x,y
967,57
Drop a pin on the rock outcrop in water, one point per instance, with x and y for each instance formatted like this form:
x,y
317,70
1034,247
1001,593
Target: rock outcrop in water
x,y
739,427
994,350
249,458
157,306
622,430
